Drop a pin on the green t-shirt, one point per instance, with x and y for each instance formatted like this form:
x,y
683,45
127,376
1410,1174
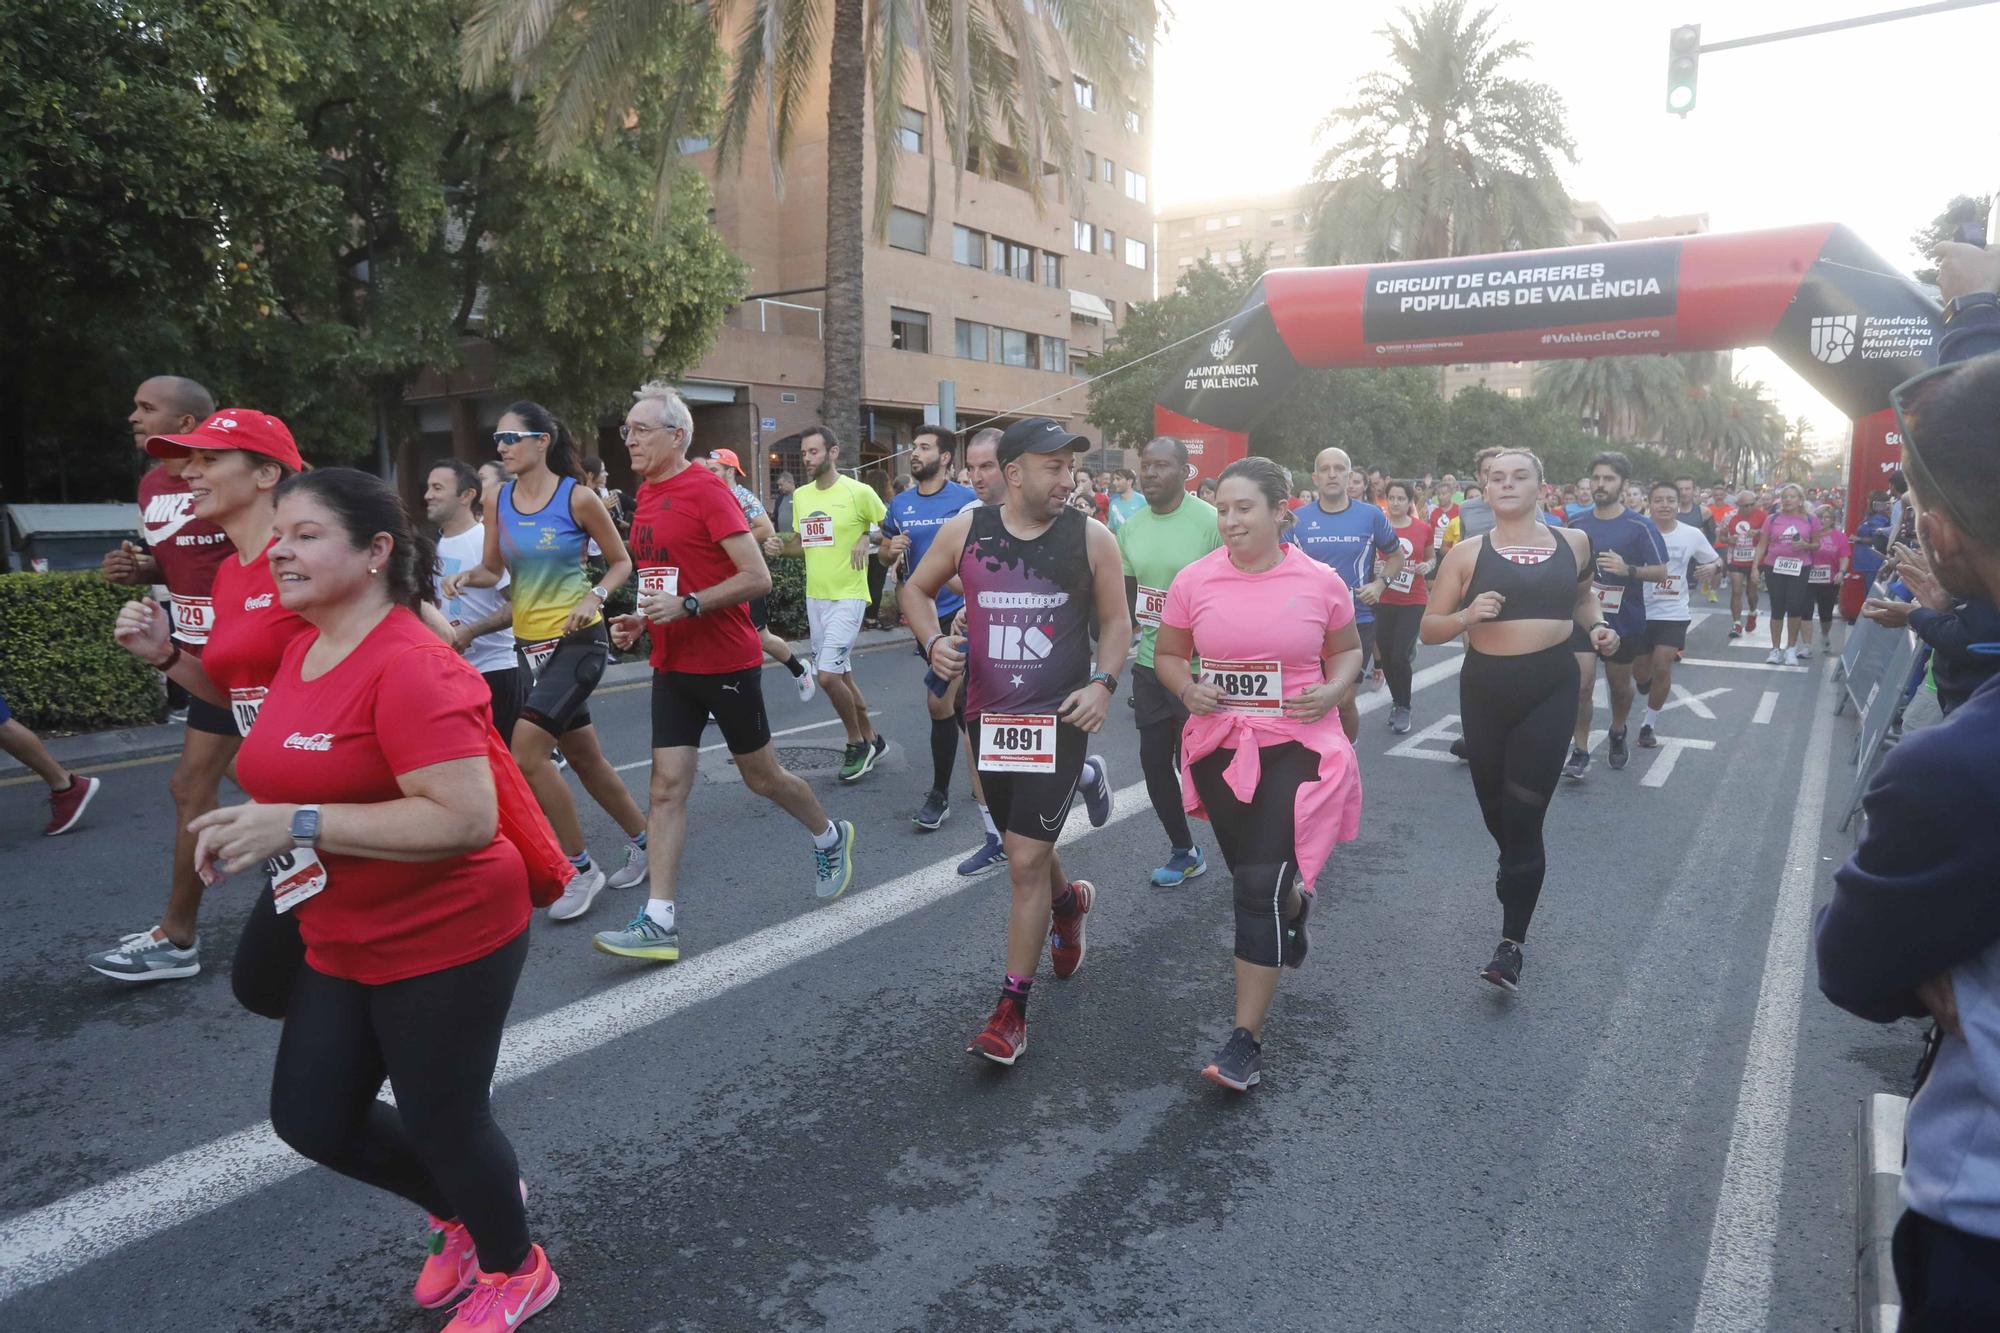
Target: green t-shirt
x,y
829,522
1155,547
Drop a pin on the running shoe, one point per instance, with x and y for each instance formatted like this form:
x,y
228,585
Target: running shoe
x,y
860,757
641,937
1004,1039
1505,969
179,715
1616,751
1803,651
1578,763
577,897
1750,623
1182,866
1399,721
1066,941
937,806
1791,657
1297,941
990,857
450,1268
833,867
1776,657
147,956
1097,795
560,762
808,680
1458,750
1647,741
1239,1065
1736,630
500,1301
1710,592
67,806
633,872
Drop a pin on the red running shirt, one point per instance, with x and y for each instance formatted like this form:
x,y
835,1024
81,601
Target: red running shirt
x,y
188,550
399,702
1416,538
250,635
678,526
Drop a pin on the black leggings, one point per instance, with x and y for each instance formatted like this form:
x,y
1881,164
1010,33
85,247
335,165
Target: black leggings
x,y
269,957
1160,761
1826,597
436,1038
1259,842
1396,637
1517,714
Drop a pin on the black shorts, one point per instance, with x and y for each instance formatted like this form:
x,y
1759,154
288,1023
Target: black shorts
x,y
214,719
1034,805
683,702
505,687
760,615
1666,634
1791,595
1366,629
557,700
1151,703
1629,645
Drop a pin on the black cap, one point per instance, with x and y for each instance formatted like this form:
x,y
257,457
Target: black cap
x,y
1035,435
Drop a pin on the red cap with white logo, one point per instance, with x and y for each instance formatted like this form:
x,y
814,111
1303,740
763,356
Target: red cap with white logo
x,y
242,428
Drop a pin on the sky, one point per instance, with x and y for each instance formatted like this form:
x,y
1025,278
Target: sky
x,y
1875,127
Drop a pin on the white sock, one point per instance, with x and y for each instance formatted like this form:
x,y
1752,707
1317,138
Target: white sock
x,y
986,818
1652,717
828,839
660,912
1090,775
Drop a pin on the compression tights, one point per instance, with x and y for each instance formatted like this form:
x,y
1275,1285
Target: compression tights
x,y
1517,714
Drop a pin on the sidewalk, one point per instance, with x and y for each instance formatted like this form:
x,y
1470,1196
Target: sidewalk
x,y
96,748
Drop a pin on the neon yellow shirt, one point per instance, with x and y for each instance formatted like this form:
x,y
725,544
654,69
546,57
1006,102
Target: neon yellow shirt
x,y
829,522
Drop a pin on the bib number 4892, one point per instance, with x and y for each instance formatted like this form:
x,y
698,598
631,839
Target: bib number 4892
x,y
1247,687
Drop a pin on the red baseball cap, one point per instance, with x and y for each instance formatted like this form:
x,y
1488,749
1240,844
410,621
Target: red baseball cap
x,y
241,428
726,456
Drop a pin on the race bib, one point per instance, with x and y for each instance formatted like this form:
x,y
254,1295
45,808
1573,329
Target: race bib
x,y
816,530
1743,555
1152,604
1247,687
1821,574
538,655
193,618
243,706
295,876
661,580
1609,597
1017,743
1405,579
1790,564
1670,586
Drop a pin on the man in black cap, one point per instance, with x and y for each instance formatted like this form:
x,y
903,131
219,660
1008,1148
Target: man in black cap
x,y
1033,572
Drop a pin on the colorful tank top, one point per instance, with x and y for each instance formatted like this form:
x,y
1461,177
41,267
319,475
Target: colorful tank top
x,y
1028,608
544,555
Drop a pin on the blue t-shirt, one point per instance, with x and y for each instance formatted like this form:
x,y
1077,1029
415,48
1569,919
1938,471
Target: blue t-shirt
x,y
1633,536
919,516
1345,542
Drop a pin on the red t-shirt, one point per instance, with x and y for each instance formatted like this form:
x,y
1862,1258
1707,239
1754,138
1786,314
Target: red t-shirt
x,y
1739,536
678,526
249,636
188,550
399,702
1415,537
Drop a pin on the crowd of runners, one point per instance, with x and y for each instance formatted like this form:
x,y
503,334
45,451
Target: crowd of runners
x,y
399,700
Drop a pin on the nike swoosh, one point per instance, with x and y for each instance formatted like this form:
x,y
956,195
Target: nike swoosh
x,y
515,1316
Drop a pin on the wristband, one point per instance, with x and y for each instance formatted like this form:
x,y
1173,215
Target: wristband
x,y
929,644
172,658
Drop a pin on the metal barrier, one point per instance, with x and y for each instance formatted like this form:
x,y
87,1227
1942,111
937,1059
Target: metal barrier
x,y
1863,659
1877,707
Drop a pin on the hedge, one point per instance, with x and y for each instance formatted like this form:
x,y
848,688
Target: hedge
x,y
786,603
59,666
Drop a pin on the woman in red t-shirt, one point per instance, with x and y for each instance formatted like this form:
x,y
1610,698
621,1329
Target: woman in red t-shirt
x,y
1400,609
371,784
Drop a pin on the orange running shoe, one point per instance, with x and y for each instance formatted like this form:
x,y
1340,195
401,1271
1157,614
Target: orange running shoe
x,y
1066,942
500,1301
1004,1039
450,1268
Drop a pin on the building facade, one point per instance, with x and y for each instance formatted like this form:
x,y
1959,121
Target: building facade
x,y
1230,230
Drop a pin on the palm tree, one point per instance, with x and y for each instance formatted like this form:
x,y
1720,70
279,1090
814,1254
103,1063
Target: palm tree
x,y
1745,432
994,74
1445,152
1627,397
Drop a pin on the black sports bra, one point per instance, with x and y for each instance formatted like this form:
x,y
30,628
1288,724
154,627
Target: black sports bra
x,y
1546,591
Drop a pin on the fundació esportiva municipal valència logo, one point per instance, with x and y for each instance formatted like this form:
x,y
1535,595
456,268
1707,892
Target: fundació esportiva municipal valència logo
x,y
1833,338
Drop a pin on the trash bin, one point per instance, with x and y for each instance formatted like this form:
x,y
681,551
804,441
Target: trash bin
x,y
47,538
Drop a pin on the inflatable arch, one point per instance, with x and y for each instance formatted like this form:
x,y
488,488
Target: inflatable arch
x,y
1833,311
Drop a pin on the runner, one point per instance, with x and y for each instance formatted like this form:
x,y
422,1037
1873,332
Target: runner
x,y
1401,611
1126,497
481,618
1345,533
370,778
1785,547
1517,595
1032,570
70,794
1266,762
698,569
1628,554
1832,556
1667,613
1743,527
911,525
989,484
544,517
832,520
724,464
233,463
1172,532
182,552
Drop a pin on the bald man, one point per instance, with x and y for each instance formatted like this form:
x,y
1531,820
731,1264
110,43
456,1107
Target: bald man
x,y
1348,536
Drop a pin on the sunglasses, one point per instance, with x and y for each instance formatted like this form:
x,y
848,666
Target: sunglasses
x,y
504,438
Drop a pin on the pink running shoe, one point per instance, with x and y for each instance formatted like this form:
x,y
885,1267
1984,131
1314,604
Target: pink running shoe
x,y
450,1268
500,1301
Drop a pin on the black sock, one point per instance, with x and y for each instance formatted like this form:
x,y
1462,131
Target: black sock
x,y
792,665
944,753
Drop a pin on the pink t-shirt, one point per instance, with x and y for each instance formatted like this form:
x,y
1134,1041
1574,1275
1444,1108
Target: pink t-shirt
x,y
1833,548
1283,613
1792,536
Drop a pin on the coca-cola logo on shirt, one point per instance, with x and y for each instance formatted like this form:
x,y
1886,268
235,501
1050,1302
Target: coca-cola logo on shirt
x,y
257,603
319,740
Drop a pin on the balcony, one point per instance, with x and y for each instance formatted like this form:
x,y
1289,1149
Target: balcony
x,y
785,318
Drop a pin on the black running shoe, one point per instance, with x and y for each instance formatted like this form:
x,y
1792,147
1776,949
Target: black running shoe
x,y
1292,949
1239,1065
1458,750
1505,969
1579,763
936,806
1646,739
1618,751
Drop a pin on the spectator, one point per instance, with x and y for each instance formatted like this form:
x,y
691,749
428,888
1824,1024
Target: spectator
x,y
781,512
1206,489
1125,498
1871,538
878,573
1952,626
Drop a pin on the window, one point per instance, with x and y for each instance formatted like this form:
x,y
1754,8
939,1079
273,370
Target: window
x,y
1013,259
1211,224
1109,239
1131,122
1055,354
1135,252
1186,262
909,230
1014,348
909,330
1110,172
1136,48
971,340
1089,165
1278,222
693,143
1084,235
968,246
1299,250
1232,256
910,129
1135,185
1234,220
1086,93
1051,270
1514,391
1079,365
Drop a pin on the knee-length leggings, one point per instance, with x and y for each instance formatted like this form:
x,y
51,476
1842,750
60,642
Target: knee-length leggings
x,y
1259,840
1517,714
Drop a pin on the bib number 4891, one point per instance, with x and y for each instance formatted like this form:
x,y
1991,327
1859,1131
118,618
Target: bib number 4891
x,y
1017,743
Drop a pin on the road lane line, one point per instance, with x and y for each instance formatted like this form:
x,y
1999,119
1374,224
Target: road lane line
x,y
1736,1282
1743,666
1662,766
1766,706
788,731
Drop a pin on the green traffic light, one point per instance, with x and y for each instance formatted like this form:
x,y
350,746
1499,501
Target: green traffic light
x,y
1683,57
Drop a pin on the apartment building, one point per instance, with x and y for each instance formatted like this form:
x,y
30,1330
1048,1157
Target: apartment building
x,y
1231,229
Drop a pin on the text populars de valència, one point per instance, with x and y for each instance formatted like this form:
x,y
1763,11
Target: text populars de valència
x,y
1554,285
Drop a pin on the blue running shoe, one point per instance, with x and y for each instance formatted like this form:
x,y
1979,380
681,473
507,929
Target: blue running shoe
x,y
1097,795
1180,867
987,859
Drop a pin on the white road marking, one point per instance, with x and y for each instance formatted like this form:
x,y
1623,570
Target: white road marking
x,y
1663,763
1694,703
1766,706
706,749
1743,666
1736,1284
1443,731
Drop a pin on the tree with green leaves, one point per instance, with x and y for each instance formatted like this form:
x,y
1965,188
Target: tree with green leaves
x,y
1619,397
1962,210
994,74
1447,151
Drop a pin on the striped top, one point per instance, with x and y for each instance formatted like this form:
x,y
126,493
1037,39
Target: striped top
x,y
544,555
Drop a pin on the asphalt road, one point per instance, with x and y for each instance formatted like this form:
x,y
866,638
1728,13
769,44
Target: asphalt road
x,y
784,1132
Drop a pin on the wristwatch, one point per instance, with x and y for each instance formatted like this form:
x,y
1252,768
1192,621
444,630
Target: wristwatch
x,y
691,604
1104,678
305,826
1958,305
600,594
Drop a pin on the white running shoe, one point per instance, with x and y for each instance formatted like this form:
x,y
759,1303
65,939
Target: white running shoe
x,y
1776,657
808,682
577,898
1791,657
633,872
1804,651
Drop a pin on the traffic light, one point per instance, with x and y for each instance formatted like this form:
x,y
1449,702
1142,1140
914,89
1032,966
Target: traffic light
x,y
1683,57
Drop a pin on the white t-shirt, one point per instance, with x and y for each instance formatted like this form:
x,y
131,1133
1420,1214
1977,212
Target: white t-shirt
x,y
488,652
1686,547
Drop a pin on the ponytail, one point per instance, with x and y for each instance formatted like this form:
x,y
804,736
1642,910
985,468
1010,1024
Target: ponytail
x,y
562,458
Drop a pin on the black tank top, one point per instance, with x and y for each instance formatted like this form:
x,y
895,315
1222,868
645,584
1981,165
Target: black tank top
x,y
1546,591
1028,608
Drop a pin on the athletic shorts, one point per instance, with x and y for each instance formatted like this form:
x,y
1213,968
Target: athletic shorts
x,y
1034,805
760,614
1629,645
1666,634
1151,703
684,701
504,686
557,700
1791,595
835,626
214,719
1747,568
1366,629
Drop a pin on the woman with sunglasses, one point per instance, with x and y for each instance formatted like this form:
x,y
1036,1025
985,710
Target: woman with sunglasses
x,y
544,519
